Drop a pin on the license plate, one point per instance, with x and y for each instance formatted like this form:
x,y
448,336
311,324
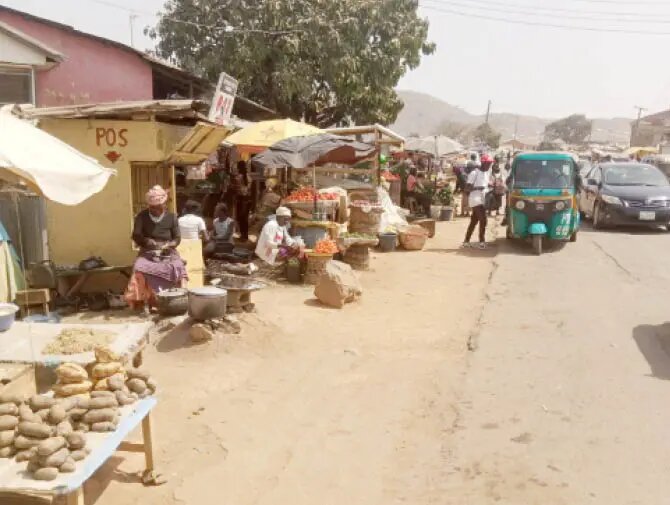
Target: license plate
x,y
540,206
647,216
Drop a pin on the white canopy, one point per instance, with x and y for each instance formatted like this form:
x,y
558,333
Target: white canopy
x,y
46,164
437,145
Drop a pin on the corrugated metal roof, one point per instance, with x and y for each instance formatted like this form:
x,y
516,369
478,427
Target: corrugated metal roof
x,y
160,109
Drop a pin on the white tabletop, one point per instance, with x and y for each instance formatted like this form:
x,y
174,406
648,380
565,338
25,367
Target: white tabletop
x,y
23,342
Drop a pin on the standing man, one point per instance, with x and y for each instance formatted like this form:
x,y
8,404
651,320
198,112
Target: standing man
x,y
471,166
478,185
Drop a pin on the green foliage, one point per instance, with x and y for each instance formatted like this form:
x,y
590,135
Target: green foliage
x,y
322,60
445,196
485,133
572,129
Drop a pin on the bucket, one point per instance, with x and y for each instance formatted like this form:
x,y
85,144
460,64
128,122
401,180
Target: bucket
x,y
387,242
435,211
293,273
446,213
357,257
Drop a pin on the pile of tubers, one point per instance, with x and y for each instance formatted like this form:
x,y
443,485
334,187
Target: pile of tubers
x,y
9,420
49,432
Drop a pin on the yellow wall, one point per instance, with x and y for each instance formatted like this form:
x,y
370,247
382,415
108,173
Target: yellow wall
x,y
102,225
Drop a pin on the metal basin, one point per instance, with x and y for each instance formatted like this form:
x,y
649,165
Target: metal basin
x,y
208,302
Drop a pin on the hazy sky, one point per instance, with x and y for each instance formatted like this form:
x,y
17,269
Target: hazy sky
x,y
524,69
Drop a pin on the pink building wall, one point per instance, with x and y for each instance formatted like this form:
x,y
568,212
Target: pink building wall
x,y
92,71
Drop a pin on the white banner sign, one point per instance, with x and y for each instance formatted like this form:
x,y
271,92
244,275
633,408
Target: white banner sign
x,y
223,100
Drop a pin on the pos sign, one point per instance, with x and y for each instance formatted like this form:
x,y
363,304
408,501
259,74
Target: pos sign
x,y
224,97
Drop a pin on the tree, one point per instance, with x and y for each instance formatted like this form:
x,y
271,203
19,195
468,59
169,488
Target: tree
x,y
573,129
452,129
485,133
323,61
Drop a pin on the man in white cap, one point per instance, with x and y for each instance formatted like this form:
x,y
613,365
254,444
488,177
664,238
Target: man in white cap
x,y
274,243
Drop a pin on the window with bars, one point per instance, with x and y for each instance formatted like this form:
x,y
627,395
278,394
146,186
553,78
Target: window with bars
x,y
145,176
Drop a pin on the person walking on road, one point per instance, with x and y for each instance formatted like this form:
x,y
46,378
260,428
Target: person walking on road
x,y
478,184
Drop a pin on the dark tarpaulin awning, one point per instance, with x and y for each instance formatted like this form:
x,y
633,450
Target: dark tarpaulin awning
x,y
303,152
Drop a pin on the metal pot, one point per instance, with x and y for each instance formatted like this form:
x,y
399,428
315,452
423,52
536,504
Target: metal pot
x,y
172,302
208,302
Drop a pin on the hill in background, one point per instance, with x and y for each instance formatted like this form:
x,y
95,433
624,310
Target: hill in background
x,y
423,114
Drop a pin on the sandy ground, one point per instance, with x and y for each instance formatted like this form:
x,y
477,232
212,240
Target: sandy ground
x,y
315,405
565,398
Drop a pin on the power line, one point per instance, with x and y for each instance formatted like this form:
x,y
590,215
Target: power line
x,y
225,29
544,24
647,17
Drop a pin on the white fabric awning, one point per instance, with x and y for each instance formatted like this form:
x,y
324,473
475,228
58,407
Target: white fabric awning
x,y
46,164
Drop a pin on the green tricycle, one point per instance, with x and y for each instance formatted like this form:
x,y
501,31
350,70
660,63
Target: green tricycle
x,y
542,193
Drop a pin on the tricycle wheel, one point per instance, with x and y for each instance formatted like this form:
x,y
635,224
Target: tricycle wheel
x,y
537,244
508,233
573,237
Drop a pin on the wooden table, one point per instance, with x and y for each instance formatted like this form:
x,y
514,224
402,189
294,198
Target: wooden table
x,y
23,344
81,276
14,478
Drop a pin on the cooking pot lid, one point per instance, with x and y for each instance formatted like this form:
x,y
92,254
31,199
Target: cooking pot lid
x,y
208,291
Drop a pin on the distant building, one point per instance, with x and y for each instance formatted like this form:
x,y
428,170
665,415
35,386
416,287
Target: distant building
x,y
652,130
516,145
51,64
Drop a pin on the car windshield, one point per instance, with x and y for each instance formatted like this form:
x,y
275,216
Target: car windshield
x,y
544,174
634,174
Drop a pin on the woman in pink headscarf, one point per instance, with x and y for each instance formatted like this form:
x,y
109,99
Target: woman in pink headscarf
x,y
158,265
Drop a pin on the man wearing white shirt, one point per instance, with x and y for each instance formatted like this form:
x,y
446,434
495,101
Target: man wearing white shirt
x,y
274,243
478,185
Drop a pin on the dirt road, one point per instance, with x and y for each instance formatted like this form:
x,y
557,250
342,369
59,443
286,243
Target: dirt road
x,y
312,405
565,398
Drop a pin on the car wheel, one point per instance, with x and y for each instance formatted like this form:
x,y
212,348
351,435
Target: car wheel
x,y
597,223
537,244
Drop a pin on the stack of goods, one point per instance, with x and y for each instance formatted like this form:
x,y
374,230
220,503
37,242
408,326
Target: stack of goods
x,y
71,380
9,420
326,246
309,194
365,217
318,259
46,437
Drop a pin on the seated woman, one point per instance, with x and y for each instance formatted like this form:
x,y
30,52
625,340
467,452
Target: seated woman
x,y
191,224
222,235
158,265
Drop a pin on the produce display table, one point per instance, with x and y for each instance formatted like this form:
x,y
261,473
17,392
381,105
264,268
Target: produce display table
x,y
81,276
23,343
14,478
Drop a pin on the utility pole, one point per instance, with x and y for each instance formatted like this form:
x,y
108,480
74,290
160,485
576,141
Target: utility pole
x,y
132,18
640,110
488,111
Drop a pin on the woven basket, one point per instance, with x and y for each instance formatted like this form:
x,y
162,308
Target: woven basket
x,y
413,238
316,265
357,257
428,224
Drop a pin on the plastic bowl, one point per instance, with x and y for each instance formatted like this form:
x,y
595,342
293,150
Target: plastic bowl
x,y
7,315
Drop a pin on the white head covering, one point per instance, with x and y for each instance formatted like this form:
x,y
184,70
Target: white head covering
x,y
283,212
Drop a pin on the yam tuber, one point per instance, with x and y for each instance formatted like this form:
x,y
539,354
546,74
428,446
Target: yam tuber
x,y
137,386
102,427
103,402
76,440
56,459
70,373
25,454
68,466
104,370
64,428
34,430
21,442
57,414
65,390
7,438
50,445
8,409
40,402
45,474
99,415
7,452
8,422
